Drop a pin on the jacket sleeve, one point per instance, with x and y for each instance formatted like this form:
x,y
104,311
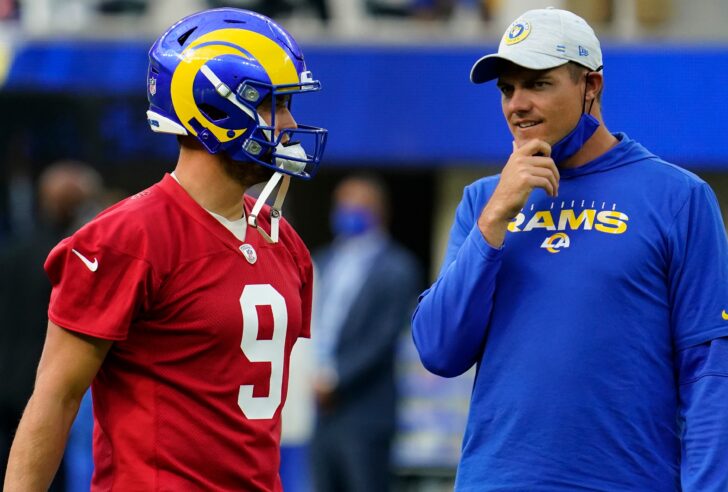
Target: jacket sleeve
x,y
697,270
703,387
450,322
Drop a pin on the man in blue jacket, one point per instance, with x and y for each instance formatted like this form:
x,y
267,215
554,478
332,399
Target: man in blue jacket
x,y
588,282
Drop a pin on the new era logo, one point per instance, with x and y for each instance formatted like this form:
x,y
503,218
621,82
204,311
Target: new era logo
x,y
583,51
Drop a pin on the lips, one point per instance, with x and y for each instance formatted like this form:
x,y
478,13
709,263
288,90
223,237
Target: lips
x,y
526,124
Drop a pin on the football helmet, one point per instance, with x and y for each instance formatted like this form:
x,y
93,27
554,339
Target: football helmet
x,y
210,72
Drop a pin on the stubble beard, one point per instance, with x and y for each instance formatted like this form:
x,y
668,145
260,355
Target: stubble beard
x,y
247,174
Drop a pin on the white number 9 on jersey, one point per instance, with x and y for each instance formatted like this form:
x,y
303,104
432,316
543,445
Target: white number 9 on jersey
x,y
263,407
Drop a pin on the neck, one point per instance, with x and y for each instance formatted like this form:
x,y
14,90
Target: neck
x,y
597,145
203,177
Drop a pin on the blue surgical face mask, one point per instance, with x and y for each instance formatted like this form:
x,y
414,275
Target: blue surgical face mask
x,y
584,129
351,221
575,140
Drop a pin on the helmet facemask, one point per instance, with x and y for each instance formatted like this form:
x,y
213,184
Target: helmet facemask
x,y
287,152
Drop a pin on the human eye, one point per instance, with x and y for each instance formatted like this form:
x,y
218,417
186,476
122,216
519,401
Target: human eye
x,y
282,102
505,89
265,104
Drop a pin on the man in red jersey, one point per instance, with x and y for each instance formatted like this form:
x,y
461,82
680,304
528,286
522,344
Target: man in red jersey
x,y
180,305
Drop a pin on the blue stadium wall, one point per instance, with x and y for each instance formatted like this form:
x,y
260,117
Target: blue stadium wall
x,y
414,105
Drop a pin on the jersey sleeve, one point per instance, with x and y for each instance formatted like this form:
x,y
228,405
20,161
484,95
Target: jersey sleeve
x,y
450,322
97,290
302,257
698,270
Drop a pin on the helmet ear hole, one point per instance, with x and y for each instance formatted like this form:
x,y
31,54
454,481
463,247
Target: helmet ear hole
x,y
212,113
183,38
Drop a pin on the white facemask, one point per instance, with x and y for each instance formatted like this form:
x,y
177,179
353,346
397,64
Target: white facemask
x,y
295,151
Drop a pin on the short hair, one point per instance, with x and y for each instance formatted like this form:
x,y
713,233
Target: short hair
x,y
378,187
81,174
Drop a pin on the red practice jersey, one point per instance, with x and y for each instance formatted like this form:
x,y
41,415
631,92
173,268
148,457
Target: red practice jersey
x,y
190,395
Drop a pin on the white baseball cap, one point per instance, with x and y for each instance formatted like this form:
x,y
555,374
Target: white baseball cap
x,y
541,39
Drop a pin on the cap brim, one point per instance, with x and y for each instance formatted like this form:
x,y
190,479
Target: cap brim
x,y
490,66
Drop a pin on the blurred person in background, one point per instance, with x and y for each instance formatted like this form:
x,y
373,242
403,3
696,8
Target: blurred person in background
x,y
182,303
277,8
69,193
297,419
366,287
588,282
444,9
9,10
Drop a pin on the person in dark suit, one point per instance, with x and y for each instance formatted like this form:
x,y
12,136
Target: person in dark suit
x,y
69,193
366,288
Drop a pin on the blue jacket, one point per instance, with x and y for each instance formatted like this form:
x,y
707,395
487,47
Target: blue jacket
x,y
583,326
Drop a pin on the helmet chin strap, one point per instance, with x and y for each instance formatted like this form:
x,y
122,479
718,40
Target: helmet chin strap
x,y
275,211
294,150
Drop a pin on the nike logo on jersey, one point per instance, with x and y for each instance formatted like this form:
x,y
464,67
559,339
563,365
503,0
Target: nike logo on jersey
x,y
91,265
725,315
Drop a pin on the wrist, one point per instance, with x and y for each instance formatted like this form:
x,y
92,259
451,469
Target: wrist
x,y
493,226
492,218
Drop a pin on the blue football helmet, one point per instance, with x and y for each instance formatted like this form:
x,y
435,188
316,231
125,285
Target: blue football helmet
x,y
209,73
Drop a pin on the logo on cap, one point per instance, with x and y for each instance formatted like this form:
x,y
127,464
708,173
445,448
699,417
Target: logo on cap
x,y
518,31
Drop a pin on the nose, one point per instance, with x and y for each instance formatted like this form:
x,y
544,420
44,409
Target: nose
x,y
519,102
285,121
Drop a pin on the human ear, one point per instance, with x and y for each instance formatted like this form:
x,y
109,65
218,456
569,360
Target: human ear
x,y
594,84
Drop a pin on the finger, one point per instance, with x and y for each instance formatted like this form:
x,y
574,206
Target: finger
x,y
534,147
543,183
515,147
547,163
544,148
546,173
541,163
